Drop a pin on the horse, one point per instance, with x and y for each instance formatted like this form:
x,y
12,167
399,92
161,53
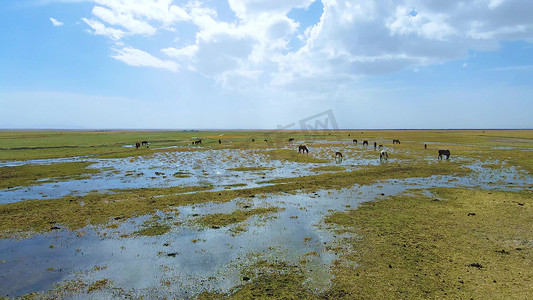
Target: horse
x,y
303,149
266,141
365,143
355,141
383,155
445,153
375,145
380,147
291,140
144,143
219,141
137,145
425,146
197,142
338,157
395,142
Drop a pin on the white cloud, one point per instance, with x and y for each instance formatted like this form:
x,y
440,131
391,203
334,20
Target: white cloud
x,y
56,22
100,29
351,39
137,58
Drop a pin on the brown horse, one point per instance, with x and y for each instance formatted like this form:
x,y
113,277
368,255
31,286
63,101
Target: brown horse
x,y
137,145
355,141
219,141
144,143
445,153
253,140
365,143
291,140
375,145
338,154
425,146
303,149
197,142
395,142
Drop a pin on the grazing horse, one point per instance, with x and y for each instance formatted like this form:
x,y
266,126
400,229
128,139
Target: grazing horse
x,y
137,145
425,146
375,145
380,147
445,153
365,143
395,142
253,140
144,143
303,149
383,155
266,141
219,141
338,157
355,141
291,140
197,142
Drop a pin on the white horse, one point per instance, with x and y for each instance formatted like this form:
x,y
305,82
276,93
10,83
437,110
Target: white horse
x,y
383,155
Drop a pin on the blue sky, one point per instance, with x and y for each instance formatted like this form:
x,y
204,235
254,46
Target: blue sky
x,y
256,64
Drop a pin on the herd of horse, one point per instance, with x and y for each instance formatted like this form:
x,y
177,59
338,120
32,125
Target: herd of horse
x,y
383,155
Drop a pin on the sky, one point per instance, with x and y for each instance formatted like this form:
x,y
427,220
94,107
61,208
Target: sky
x,y
266,64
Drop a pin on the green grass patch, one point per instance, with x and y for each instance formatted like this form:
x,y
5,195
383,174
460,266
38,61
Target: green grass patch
x,y
237,216
153,229
459,243
26,175
329,169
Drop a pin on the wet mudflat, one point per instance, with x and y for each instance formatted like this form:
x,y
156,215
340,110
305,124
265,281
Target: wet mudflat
x,y
173,253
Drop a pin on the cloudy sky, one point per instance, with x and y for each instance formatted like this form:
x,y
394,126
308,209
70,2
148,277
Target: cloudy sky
x,y
231,64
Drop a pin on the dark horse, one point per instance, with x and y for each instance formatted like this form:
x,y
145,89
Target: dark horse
x,y
395,142
266,141
219,141
355,141
303,149
338,157
253,140
197,142
291,140
144,143
375,145
445,153
137,145
365,143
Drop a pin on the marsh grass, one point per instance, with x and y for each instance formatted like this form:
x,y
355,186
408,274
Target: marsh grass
x,y
237,216
328,169
246,169
458,243
26,175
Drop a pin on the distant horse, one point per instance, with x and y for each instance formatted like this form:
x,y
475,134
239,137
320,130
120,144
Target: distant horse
x,y
365,143
144,143
395,142
197,142
355,141
348,134
380,147
338,157
266,141
383,155
425,146
303,149
137,145
291,140
445,153
253,140
375,145
219,141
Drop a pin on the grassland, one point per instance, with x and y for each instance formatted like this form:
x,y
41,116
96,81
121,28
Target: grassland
x,y
436,243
